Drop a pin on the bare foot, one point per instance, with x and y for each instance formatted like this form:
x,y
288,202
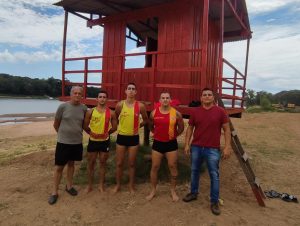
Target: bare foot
x,y
88,189
151,195
116,189
101,188
174,196
132,190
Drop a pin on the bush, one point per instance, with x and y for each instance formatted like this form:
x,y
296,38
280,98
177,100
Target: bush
x,y
265,103
254,109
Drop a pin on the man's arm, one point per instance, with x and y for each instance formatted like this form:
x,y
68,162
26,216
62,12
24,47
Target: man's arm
x,y
144,115
56,124
188,136
86,121
180,123
118,110
150,122
227,135
113,121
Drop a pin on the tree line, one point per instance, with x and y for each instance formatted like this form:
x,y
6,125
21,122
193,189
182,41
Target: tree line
x,y
25,86
265,99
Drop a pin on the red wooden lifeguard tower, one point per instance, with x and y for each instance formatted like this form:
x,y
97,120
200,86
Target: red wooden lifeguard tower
x,y
184,48
184,53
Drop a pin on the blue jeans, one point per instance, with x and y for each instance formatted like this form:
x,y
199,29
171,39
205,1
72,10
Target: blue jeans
x,y
212,157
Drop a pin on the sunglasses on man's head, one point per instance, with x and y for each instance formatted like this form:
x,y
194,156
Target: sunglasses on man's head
x,y
130,88
207,95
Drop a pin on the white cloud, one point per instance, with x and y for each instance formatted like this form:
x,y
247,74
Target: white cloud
x,y
261,6
24,26
6,56
29,25
270,20
37,56
274,57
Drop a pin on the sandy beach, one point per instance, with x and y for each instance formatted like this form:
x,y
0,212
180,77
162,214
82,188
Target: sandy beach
x,y
272,141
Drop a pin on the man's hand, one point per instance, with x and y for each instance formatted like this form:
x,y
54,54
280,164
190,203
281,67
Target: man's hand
x,y
187,150
226,152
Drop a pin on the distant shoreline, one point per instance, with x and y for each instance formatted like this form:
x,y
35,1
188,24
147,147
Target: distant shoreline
x,y
27,97
27,117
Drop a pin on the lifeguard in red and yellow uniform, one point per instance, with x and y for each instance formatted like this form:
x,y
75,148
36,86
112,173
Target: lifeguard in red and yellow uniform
x,y
166,123
128,113
99,122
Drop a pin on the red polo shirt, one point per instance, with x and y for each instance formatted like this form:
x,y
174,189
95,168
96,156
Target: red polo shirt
x,y
208,125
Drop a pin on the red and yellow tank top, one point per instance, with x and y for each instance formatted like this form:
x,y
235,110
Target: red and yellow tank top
x,y
100,124
129,119
164,125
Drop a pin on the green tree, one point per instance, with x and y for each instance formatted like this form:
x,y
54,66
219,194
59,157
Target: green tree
x,y
250,97
265,103
261,94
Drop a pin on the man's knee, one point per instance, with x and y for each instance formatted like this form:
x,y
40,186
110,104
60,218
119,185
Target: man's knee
x,y
91,165
71,163
214,174
59,169
173,167
119,164
102,163
155,168
103,158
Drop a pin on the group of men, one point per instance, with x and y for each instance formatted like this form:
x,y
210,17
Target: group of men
x,y
165,122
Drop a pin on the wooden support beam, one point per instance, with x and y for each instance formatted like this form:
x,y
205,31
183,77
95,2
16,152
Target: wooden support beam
x,y
245,164
63,68
135,15
233,8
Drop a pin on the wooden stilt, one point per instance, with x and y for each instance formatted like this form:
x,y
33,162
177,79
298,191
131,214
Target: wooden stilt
x,y
245,164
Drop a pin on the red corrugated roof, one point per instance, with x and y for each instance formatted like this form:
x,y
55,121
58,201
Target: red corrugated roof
x,y
233,31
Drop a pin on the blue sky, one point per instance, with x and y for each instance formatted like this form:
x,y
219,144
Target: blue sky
x,y
31,42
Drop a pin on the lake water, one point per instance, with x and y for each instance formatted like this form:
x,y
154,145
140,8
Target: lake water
x,y
17,106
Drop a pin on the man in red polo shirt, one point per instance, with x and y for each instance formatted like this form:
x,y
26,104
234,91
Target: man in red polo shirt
x,y
205,125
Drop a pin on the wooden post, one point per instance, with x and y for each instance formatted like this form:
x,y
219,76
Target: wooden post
x,y
64,54
221,48
245,164
246,72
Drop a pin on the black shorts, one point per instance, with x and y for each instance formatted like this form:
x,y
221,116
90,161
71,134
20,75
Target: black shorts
x,y
67,152
101,146
128,140
163,147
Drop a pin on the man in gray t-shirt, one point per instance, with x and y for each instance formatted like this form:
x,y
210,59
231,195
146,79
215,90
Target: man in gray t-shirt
x,y
71,122
68,124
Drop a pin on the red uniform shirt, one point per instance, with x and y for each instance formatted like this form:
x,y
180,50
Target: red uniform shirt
x,y
208,124
164,125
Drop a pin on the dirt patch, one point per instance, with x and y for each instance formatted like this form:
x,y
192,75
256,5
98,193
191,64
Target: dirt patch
x,y
272,141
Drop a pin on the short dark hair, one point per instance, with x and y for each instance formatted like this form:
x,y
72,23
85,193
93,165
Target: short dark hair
x,y
131,83
165,91
207,89
103,91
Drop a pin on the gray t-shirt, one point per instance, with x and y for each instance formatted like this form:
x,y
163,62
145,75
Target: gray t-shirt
x,y
71,122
